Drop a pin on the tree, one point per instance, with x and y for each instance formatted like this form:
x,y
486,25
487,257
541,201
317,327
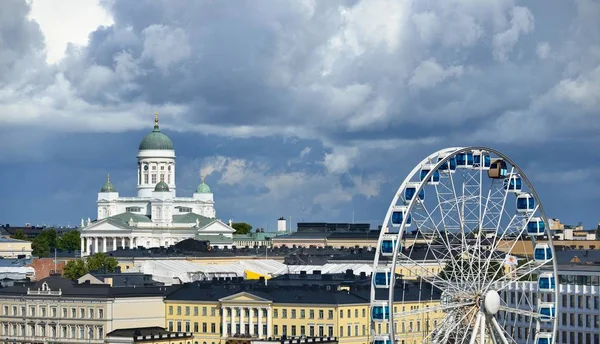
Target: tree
x,y
50,236
70,241
100,261
40,247
75,269
241,227
19,235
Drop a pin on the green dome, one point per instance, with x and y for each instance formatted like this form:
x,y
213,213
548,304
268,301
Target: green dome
x,y
108,187
156,139
161,186
203,188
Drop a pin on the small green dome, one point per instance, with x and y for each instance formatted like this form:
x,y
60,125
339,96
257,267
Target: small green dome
x,y
161,186
156,139
108,187
203,188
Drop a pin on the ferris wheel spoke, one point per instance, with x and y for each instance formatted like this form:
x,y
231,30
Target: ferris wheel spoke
x,y
500,331
432,309
519,311
532,267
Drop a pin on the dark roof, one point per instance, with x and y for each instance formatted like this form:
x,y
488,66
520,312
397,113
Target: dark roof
x,y
582,256
71,288
310,289
128,279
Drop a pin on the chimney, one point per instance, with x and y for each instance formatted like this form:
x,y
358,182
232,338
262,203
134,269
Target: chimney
x,y
281,224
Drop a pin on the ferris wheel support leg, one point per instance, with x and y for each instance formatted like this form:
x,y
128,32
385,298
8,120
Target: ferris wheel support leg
x,y
499,330
478,322
482,329
491,330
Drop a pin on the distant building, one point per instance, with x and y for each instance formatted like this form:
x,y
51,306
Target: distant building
x,y
67,312
153,335
13,248
157,216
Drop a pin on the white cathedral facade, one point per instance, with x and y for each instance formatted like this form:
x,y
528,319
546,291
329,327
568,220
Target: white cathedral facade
x,y
156,216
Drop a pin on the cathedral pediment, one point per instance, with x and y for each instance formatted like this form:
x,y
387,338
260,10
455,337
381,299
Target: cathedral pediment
x,y
243,297
104,225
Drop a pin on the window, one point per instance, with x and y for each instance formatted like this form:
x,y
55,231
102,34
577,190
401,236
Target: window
x,y
170,310
145,178
64,313
162,168
294,330
101,314
31,311
302,314
178,310
179,326
81,332
311,314
195,326
275,313
204,327
162,177
133,209
73,313
153,167
14,311
213,328
293,317
203,308
100,332
154,177
171,325
187,310
213,311
82,313
341,316
349,314
91,313
284,314
187,326
53,312
196,311
330,314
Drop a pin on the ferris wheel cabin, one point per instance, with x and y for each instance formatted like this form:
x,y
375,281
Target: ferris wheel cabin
x,y
498,169
411,190
398,215
382,278
481,159
435,176
542,253
525,203
535,226
513,183
547,311
388,244
380,311
543,338
381,339
464,160
546,282
449,166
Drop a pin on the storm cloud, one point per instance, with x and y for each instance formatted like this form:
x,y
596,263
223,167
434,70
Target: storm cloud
x,y
310,109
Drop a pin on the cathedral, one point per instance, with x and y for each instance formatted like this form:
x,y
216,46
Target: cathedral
x,y
156,216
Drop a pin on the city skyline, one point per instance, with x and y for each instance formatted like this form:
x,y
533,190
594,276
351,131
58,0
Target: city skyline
x,y
312,110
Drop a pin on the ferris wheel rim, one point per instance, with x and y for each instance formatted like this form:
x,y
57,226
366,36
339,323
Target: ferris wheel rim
x,y
448,153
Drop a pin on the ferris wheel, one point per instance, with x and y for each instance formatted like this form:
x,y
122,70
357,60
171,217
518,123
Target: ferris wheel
x,y
465,255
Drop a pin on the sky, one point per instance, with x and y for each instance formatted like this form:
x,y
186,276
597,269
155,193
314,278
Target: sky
x,y
314,110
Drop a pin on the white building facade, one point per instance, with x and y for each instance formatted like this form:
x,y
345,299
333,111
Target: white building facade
x,y
156,216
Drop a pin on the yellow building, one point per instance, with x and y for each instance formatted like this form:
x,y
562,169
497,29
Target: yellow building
x,y
222,312
13,248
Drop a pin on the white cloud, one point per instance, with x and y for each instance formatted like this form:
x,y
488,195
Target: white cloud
x,y
429,73
543,50
522,22
340,159
84,16
165,45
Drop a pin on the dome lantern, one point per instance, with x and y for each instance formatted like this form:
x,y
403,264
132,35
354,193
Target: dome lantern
x,y
156,140
108,187
203,187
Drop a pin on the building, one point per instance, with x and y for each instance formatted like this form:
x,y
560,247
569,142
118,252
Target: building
x,y
156,216
59,310
578,303
13,248
289,306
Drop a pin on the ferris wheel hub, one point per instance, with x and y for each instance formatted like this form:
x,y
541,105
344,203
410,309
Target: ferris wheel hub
x,y
492,302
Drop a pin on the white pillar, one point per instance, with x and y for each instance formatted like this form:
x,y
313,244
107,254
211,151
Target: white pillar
x,y
123,242
224,323
260,325
82,246
251,321
114,243
131,242
269,326
242,314
104,244
95,244
232,310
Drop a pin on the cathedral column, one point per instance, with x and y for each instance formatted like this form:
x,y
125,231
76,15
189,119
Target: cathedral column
x,y
232,310
123,242
114,247
95,244
224,323
269,325
104,244
82,246
242,314
260,325
251,321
